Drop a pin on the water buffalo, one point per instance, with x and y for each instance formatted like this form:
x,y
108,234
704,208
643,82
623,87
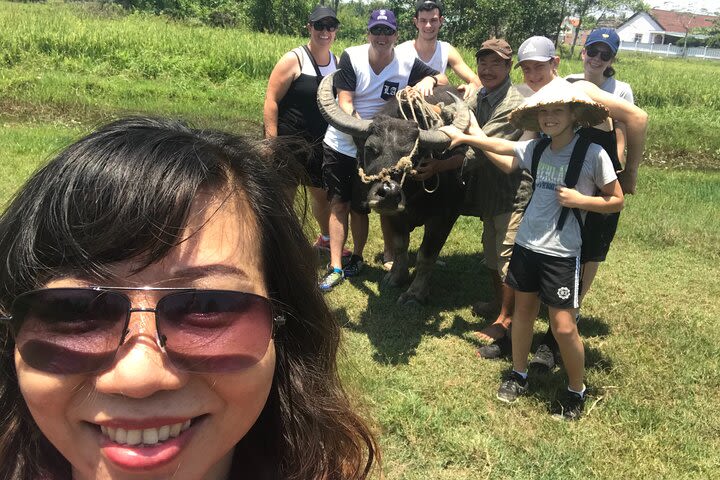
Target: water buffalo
x,y
407,202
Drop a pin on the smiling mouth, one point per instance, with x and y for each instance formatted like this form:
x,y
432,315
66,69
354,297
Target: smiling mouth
x,y
145,436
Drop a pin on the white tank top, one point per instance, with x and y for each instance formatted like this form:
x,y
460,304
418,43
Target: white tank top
x,y
439,59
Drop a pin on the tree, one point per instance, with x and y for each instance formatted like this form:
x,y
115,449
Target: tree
x,y
582,8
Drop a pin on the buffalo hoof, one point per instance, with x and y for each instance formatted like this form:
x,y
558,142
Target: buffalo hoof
x,y
408,299
394,280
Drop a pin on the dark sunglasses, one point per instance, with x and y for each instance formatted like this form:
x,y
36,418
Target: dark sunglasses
x,y
604,56
320,26
381,30
79,330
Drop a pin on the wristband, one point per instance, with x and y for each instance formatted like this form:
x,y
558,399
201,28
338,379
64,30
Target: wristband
x,y
435,80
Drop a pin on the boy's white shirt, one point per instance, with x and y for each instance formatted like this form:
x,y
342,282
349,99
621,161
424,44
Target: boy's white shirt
x,y
538,231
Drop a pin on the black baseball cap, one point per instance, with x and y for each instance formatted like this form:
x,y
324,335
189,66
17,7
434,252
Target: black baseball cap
x,y
321,12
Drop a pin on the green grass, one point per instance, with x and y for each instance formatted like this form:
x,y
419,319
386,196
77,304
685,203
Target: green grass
x,y
649,325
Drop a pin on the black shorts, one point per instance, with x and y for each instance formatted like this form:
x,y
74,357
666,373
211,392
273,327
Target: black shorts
x,y
340,177
556,279
598,231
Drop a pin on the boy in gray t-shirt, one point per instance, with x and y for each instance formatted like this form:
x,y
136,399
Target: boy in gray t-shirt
x,y
545,263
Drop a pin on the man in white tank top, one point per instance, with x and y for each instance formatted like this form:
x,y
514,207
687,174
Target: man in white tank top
x,y
437,54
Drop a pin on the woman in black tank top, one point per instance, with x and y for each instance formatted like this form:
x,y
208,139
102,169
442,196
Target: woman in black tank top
x,y
291,109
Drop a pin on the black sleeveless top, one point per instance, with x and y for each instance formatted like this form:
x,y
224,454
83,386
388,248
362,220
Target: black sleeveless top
x,y
298,113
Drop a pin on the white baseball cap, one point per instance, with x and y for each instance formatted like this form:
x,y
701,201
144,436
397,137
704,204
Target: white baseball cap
x,y
540,49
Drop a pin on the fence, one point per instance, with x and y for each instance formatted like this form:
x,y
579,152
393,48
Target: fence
x,y
672,50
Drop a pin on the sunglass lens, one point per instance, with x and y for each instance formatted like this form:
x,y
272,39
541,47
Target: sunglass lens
x,y
604,56
320,26
69,330
214,330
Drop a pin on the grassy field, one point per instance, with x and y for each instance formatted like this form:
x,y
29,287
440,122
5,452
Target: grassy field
x,y
649,325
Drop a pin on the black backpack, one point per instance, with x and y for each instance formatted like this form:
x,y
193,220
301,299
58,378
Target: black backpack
x,y
588,135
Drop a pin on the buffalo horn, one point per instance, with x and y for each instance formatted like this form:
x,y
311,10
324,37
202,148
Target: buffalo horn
x,y
437,140
335,115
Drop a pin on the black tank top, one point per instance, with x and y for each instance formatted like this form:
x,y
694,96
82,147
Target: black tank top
x,y
298,113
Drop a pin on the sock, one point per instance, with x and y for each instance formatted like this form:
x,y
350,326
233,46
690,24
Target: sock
x,y
582,394
337,270
522,374
326,238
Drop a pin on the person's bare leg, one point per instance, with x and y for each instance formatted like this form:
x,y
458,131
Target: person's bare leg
x,y
498,328
320,209
338,226
360,225
572,351
589,271
527,305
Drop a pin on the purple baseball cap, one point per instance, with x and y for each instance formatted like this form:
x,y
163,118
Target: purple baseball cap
x,y
382,17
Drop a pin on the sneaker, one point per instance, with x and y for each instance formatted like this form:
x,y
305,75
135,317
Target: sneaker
x,y
569,406
331,279
324,245
512,388
544,358
354,266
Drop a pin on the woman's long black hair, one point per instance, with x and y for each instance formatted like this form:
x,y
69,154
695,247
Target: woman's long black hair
x,y
124,192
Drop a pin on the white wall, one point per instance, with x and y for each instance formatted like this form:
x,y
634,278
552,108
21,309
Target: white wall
x,y
642,23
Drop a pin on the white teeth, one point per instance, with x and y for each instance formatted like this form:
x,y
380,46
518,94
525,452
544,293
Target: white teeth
x,y
150,436
134,437
147,436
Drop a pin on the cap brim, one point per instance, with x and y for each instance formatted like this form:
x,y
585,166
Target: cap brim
x,y
499,54
536,59
382,22
612,47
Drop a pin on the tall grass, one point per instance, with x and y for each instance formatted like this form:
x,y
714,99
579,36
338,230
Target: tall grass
x,y
66,60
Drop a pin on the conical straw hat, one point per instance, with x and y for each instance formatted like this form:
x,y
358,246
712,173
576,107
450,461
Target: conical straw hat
x,y
558,92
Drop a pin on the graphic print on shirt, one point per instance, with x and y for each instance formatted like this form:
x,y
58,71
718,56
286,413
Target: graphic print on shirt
x,y
389,89
550,176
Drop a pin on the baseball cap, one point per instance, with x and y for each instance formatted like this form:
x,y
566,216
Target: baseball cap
x,y
382,17
540,49
497,45
428,5
321,12
608,36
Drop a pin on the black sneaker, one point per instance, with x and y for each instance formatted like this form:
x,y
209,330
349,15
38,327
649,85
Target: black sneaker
x,y
544,359
512,388
569,406
354,266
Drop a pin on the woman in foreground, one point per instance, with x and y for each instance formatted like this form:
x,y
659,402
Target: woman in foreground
x,y
159,322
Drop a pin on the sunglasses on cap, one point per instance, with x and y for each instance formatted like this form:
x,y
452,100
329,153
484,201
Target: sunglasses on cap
x,y
329,26
79,330
381,30
604,56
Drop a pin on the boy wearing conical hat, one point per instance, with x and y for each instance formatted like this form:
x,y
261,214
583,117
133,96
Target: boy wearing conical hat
x,y
545,263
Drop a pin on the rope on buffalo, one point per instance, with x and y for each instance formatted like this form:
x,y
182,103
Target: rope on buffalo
x,y
425,116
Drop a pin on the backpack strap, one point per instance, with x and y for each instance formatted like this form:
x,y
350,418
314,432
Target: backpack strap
x,y
538,150
577,158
